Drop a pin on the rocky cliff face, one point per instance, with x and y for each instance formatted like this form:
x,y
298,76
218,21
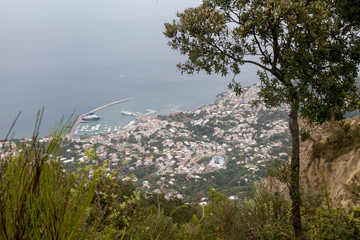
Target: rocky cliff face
x,y
329,160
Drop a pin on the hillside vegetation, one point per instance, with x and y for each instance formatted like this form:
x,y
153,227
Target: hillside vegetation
x,y
39,200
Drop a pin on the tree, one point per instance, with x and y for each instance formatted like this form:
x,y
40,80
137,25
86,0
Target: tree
x,y
349,10
305,51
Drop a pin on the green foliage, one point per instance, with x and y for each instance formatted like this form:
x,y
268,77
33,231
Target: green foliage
x,y
262,217
306,59
346,127
57,205
333,223
216,197
349,10
174,208
38,200
305,136
154,226
268,216
281,171
343,140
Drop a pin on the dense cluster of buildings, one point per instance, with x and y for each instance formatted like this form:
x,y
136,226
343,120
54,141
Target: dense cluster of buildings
x,y
196,141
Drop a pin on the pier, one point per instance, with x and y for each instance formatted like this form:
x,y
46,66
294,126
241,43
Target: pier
x,y
137,114
77,122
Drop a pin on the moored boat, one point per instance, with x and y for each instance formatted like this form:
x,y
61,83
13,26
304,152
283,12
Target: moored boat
x,y
90,116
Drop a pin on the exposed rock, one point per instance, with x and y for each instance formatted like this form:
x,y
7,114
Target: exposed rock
x,y
329,159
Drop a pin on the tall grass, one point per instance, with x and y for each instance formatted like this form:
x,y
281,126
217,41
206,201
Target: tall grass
x,y
38,199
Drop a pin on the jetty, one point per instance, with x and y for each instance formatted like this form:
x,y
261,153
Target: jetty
x,y
77,122
109,104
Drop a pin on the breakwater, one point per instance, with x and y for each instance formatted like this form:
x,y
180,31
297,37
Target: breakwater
x,y
109,104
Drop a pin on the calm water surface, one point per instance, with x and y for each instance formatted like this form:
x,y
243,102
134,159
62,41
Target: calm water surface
x,y
76,55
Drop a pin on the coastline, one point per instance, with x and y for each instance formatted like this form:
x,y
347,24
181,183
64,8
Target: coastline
x,y
194,145
114,116
136,117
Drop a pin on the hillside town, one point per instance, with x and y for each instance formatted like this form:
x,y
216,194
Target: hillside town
x,y
192,143
165,153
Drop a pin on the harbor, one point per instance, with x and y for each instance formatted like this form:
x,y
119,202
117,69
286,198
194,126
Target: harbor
x,y
84,122
91,123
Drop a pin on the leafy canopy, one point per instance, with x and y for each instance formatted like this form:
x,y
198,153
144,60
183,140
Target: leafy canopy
x,y
307,54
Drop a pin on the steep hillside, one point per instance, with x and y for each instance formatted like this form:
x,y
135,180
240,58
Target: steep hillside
x,y
329,160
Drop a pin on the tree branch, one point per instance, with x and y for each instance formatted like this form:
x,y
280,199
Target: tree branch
x,y
259,65
258,43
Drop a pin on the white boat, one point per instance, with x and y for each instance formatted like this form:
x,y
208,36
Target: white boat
x,y
90,116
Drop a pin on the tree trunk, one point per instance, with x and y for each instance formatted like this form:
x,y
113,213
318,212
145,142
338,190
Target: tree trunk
x,y
295,174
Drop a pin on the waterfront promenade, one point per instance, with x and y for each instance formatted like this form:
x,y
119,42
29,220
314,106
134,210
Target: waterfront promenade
x,y
77,122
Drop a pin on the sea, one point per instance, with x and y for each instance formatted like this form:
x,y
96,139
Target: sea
x,y
72,56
